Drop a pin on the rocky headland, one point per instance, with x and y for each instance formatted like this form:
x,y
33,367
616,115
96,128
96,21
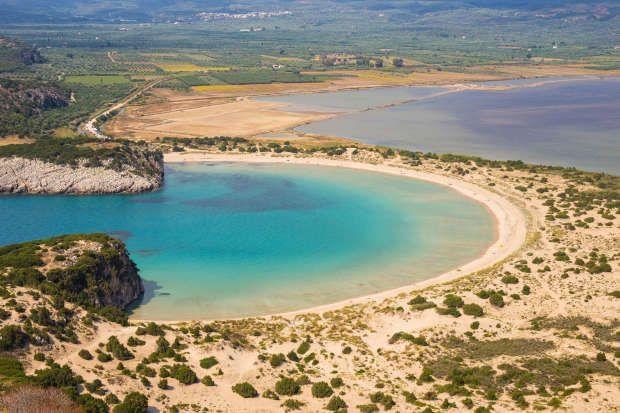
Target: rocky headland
x,y
59,168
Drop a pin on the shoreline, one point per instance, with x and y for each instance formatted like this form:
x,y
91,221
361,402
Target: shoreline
x,y
511,226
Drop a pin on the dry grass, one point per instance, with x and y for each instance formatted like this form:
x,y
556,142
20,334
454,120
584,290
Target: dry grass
x,y
30,399
14,140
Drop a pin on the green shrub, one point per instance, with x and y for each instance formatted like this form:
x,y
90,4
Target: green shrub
x,y
85,354
368,408
335,404
12,338
418,299
303,347
321,390
245,390
207,381
92,404
336,382
287,387
452,300
510,279
385,399
11,370
111,399
410,397
134,342
473,310
401,335
104,357
163,384
134,402
56,376
145,370
453,311
276,360
118,350
208,362
292,356
292,404
39,357
183,373
496,299
151,329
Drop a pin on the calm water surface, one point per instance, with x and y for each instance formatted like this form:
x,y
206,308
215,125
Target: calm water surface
x,y
567,122
227,240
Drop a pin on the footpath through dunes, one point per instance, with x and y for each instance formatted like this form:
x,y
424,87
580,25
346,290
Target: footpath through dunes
x,y
534,331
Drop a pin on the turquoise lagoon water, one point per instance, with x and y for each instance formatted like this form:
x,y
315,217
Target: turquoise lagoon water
x,y
228,240
567,121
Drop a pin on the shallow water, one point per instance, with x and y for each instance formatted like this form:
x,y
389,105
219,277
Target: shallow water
x,y
228,240
566,122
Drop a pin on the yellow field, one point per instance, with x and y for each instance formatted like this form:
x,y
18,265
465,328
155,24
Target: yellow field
x,y
189,67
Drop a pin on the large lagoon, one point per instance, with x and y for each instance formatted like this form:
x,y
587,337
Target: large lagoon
x,y
566,122
229,240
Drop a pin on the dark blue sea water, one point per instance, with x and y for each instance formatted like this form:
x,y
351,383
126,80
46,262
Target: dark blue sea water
x,y
223,240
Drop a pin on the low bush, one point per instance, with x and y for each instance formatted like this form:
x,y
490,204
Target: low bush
x,y
287,387
453,301
134,402
384,399
473,310
321,390
208,362
119,351
12,338
207,381
336,404
303,347
336,382
245,390
183,373
510,279
292,404
276,360
497,300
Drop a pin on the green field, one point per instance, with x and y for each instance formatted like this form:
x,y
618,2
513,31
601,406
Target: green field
x,y
91,80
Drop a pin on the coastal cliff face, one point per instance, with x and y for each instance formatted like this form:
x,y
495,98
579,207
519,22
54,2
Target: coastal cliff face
x,y
114,279
90,270
34,176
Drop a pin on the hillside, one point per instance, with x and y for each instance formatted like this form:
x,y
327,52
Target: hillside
x,y
15,54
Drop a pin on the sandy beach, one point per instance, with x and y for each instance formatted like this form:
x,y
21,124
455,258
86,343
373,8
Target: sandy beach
x,y
510,221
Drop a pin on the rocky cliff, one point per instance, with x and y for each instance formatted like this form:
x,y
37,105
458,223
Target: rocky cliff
x,y
91,270
54,168
20,175
111,276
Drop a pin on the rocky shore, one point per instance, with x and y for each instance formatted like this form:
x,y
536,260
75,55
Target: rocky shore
x,y
34,176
